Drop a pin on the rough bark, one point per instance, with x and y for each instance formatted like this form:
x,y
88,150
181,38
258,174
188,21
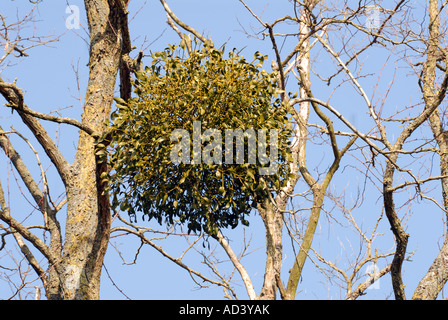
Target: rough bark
x,y
401,237
273,221
435,278
88,212
437,275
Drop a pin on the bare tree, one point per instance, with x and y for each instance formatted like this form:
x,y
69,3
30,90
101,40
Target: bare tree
x,y
390,152
273,213
315,20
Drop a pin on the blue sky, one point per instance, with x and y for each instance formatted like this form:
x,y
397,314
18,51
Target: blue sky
x,y
50,83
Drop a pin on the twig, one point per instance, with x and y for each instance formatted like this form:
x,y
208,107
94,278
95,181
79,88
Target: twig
x,y
363,286
185,26
165,254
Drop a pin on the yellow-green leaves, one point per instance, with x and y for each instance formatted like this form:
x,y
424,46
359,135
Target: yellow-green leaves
x,y
174,95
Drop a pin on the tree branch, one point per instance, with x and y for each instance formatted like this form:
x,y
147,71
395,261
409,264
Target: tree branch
x,y
236,262
65,120
359,291
14,96
17,227
140,234
185,26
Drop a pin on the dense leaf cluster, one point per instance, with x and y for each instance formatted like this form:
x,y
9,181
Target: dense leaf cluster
x,y
174,93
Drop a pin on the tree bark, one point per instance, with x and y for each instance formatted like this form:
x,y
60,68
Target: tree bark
x,y
273,221
437,275
401,237
88,211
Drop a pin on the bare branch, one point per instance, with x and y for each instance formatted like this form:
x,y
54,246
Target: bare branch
x,y
14,96
55,119
177,261
359,291
236,262
184,25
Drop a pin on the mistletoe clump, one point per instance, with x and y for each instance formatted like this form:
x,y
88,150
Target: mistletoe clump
x,y
169,156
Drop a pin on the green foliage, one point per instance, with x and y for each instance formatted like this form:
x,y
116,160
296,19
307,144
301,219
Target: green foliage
x,y
172,93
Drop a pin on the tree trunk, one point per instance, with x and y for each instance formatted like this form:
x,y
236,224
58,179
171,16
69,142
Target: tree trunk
x,y
299,262
88,211
437,275
273,221
401,237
